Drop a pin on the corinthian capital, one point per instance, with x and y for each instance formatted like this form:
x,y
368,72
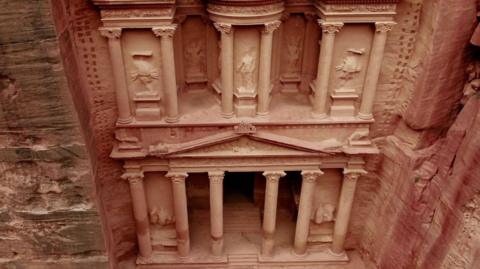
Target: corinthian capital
x,y
110,32
223,28
133,177
311,176
177,177
353,174
273,176
165,31
330,27
271,26
384,27
216,177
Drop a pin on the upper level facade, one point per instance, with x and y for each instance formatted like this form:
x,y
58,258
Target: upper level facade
x,y
183,68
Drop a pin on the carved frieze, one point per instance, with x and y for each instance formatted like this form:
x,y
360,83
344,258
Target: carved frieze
x,y
255,10
360,8
135,12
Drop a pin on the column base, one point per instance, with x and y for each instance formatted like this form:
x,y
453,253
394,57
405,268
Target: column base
x,y
172,119
217,247
124,120
300,255
364,116
227,115
263,114
319,115
267,247
336,254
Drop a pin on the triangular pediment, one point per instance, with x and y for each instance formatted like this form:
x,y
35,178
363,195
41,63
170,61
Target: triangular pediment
x,y
238,145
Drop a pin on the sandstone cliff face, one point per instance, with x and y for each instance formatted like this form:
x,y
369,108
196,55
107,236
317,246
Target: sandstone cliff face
x,y
48,217
427,180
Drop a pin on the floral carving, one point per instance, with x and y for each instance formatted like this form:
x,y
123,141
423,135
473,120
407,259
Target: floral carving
x,y
273,176
165,31
223,28
330,27
384,27
110,33
144,74
271,26
311,176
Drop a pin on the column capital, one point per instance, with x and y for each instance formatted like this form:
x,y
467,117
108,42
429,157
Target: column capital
x,y
216,177
273,176
110,32
383,27
271,26
165,31
311,175
223,28
133,177
330,27
353,173
177,177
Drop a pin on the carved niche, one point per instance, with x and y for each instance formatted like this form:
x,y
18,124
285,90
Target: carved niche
x,y
195,52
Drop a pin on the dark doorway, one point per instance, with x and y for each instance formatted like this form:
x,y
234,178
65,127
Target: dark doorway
x,y
238,187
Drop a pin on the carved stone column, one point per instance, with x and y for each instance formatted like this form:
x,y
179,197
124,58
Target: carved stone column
x,y
320,85
168,66
309,182
118,68
344,208
373,69
265,67
216,211
270,210
226,31
140,212
181,212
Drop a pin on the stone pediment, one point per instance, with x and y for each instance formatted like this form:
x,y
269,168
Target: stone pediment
x,y
231,144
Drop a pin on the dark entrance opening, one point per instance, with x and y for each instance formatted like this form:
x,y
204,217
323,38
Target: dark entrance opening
x,y
238,187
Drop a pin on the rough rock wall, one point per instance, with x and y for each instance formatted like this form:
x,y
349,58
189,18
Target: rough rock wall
x,y
425,184
48,217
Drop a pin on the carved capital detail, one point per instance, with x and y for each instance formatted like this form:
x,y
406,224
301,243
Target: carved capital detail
x,y
216,177
271,26
350,174
274,176
223,28
383,27
177,177
110,32
330,27
133,177
165,31
311,176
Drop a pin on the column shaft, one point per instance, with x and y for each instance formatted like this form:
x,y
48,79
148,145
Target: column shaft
x,y
343,213
181,212
118,68
216,212
305,210
226,31
373,69
140,212
265,67
168,66
270,210
324,66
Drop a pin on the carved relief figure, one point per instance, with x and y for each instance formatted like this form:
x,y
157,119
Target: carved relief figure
x,y
293,53
350,66
161,217
246,68
195,54
472,85
324,213
144,74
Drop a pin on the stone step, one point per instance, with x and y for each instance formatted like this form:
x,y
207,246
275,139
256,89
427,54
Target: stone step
x,y
243,259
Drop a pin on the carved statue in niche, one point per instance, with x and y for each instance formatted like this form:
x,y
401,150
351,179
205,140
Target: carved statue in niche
x,y
144,75
161,217
293,54
350,66
246,68
195,54
324,213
